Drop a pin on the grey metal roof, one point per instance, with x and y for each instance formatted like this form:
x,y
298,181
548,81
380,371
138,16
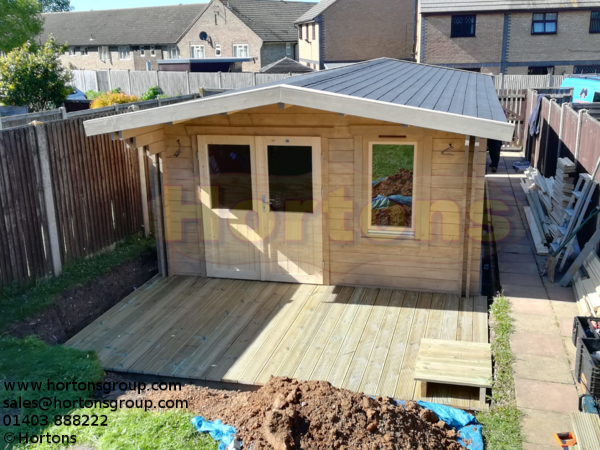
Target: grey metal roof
x,y
286,65
133,26
315,11
338,65
454,6
411,84
271,20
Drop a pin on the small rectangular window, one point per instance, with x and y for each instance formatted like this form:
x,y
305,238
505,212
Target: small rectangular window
x,y
240,50
300,32
595,22
537,70
288,49
197,51
586,70
290,178
84,51
463,26
152,50
392,169
218,51
173,52
103,53
71,51
544,23
314,31
142,51
230,171
124,52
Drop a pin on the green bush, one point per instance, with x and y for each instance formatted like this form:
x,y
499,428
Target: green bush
x,y
151,94
91,94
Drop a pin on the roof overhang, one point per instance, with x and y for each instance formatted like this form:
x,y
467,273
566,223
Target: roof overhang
x,y
308,98
205,60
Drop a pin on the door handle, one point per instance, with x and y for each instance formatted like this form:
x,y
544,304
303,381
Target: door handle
x,y
265,203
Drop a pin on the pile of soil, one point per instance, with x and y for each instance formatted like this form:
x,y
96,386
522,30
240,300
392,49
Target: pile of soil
x,y
400,183
78,306
396,216
290,414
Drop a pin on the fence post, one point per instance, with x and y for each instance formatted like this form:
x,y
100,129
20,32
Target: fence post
x,y
254,76
157,85
143,191
109,81
46,175
63,112
0,122
129,81
220,81
563,107
578,135
187,73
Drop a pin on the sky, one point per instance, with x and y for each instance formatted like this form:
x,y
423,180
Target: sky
x,y
86,5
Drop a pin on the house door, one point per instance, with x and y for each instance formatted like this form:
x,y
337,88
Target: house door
x,y
261,204
290,187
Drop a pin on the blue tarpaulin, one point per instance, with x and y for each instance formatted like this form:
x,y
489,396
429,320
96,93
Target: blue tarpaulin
x,y
223,434
382,202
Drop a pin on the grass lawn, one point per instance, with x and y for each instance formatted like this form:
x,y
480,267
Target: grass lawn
x,y
31,360
502,423
17,302
387,159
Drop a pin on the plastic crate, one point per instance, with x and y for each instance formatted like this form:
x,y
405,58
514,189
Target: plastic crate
x,y
587,371
582,329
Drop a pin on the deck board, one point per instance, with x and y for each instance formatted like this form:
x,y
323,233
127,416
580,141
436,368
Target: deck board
x,y
234,331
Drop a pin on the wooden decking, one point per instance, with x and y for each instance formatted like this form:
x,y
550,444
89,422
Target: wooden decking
x,y
245,331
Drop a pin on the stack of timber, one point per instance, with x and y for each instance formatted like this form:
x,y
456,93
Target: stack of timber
x,y
562,189
586,285
587,430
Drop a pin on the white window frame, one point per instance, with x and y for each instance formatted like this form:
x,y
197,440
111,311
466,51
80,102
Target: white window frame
x,y
288,49
218,50
202,51
142,51
104,53
236,51
173,51
152,51
84,51
393,232
71,51
124,52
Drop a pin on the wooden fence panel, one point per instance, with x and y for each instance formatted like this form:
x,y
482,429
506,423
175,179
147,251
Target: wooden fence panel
x,y
569,134
589,150
514,102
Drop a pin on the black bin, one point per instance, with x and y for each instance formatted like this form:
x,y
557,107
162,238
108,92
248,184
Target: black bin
x,y
587,371
582,329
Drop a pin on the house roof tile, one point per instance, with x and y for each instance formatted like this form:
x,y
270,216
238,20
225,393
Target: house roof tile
x,y
315,11
453,6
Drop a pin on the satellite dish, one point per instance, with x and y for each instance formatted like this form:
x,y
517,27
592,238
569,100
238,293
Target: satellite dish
x,y
203,36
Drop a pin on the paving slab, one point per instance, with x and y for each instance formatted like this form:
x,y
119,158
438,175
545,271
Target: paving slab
x,y
537,344
534,306
543,368
526,268
529,446
527,323
539,427
521,279
546,396
511,290
522,258
512,247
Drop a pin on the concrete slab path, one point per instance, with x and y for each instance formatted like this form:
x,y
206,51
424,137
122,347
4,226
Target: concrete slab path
x,y
543,316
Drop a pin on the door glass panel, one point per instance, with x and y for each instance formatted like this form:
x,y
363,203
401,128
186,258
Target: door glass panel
x,y
290,178
230,171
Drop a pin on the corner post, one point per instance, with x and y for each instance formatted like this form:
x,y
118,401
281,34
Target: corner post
x,y
143,190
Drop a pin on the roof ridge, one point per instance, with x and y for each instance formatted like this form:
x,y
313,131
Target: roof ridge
x,y
124,9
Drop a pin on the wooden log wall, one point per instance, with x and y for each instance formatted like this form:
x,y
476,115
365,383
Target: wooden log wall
x,y
95,184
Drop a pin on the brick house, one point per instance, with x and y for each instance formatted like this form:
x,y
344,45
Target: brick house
x,y
515,37
137,38
334,32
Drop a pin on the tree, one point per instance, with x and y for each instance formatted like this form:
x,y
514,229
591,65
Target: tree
x,y
56,5
20,21
36,79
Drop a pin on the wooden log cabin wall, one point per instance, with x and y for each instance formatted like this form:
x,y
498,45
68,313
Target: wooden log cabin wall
x,y
442,256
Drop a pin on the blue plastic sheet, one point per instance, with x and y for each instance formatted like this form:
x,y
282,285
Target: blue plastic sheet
x,y
223,434
382,202
465,424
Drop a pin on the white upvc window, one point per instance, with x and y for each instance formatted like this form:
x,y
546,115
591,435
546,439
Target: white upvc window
x,y
71,51
124,52
173,52
84,51
218,51
197,52
240,51
103,53
142,51
152,50
288,49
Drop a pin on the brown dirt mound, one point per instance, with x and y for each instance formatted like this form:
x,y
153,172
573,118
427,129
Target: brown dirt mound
x,y
78,306
399,183
397,216
290,414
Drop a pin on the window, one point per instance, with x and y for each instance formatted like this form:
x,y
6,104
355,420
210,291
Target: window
x,y
463,26
103,53
392,167
84,51
290,178
240,50
124,52
544,23
173,52
71,51
544,70
288,49
314,35
197,51
218,52
230,170
595,22
142,51
300,32
152,50
586,69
